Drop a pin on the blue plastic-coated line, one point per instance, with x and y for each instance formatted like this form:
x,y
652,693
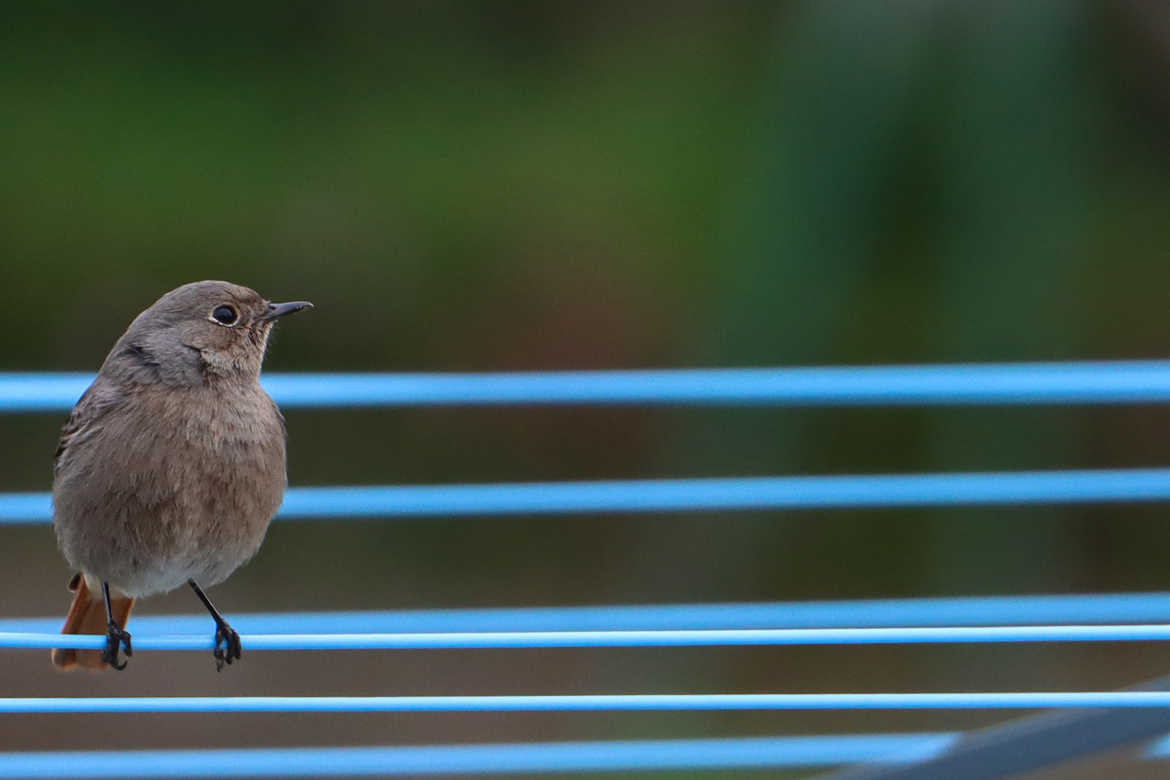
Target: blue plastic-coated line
x,y
734,493
969,610
21,508
590,703
686,638
677,754
991,383
705,494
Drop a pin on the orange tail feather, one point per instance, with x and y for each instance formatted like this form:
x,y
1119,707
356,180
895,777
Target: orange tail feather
x,y
87,615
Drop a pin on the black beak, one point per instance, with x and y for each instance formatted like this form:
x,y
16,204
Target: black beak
x,y
280,309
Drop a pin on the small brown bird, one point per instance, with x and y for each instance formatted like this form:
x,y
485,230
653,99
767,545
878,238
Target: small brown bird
x,y
171,465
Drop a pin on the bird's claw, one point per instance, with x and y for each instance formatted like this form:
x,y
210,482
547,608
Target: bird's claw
x,y
227,646
117,638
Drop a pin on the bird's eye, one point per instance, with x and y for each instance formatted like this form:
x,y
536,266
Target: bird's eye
x,y
225,315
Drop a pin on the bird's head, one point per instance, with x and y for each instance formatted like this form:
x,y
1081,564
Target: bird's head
x,y
200,332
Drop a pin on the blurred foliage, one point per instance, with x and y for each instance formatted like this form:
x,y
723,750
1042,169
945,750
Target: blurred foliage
x,y
447,179
510,185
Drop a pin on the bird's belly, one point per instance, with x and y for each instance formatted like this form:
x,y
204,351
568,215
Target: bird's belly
x,y
207,552
197,510
212,527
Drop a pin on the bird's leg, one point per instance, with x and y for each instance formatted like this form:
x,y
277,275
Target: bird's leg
x,y
227,641
117,637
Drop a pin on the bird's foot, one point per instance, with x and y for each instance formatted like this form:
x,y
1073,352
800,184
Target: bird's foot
x,y
117,638
227,645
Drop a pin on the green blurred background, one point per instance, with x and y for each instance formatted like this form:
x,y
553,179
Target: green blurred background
x,y
530,185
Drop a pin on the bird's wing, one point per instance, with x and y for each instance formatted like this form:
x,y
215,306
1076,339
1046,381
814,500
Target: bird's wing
x,y
84,421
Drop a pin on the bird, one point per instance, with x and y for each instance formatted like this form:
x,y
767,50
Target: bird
x,y
170,466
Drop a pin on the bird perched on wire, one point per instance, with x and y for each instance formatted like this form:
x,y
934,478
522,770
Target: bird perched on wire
x,y
171,465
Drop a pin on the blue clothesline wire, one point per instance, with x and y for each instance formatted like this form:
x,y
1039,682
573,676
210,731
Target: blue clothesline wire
x,y
1049,609
637,702
565,639
611,756
701,494
1115,382
1131,381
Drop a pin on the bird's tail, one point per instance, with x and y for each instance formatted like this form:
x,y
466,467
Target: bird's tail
x,y
87,615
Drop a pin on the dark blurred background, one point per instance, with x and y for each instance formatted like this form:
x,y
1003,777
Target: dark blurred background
x,y
538,185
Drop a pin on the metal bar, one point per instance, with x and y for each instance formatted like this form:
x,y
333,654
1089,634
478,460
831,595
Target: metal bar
x,y
607,756
667,638
692,495
595,703
1131,381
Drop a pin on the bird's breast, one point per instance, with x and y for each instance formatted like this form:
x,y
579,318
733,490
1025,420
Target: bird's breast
x,y
173,485
230,450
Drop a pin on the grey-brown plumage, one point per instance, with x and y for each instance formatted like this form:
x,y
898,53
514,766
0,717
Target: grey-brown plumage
x,y
172,463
